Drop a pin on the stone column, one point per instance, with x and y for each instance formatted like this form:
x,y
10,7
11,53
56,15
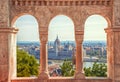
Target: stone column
x,y
114,35
43,56
110,56
5,53
79,58
13,53
113,53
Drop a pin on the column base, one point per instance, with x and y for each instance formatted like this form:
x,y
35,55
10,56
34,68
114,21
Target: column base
x,y
43,75
79,75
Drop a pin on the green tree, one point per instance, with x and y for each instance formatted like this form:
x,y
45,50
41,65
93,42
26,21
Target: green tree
x,y
26,64
97,70
67,68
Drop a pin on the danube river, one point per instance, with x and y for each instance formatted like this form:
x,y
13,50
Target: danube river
x,y
85,64
89,64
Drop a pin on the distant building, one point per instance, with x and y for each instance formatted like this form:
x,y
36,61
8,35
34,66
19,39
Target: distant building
x,y
60,51
57,46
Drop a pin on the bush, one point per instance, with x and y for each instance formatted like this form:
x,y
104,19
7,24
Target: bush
x,y
97,70
67,68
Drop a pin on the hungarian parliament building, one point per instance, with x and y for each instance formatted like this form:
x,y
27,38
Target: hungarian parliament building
x,y
56,50
59,50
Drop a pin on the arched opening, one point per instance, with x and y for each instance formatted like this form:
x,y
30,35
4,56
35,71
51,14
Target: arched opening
x,y
61,46
94,46
28,47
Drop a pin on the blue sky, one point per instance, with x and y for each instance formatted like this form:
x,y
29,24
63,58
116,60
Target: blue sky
x,y
94,28
62,26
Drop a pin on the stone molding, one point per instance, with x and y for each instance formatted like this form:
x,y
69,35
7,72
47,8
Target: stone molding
x,y
60,2
79,36
109,30
8,30
79,32
43,33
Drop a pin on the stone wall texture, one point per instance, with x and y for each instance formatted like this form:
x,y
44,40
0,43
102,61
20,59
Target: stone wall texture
x,y
116,12
4,13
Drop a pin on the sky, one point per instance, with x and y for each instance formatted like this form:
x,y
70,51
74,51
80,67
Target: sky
x,y
61,26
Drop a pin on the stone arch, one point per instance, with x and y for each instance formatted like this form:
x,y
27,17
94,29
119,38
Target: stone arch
x,y
58,34
67,16
19,15
106,17
60,14
107,20
36,33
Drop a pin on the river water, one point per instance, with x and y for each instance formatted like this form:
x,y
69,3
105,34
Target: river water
x,y
85,64
89,64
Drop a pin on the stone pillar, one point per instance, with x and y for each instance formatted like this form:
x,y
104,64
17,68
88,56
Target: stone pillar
x,y
13,53
5,54
110,56
114,35
43,56
79,58
113,53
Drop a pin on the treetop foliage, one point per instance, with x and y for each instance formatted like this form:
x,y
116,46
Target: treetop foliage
x,y
26,64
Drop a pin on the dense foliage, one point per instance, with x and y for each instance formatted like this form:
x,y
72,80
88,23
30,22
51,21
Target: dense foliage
x,y
97,70
67,68
26,64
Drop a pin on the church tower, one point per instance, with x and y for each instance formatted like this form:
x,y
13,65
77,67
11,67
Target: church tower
x,y
57,45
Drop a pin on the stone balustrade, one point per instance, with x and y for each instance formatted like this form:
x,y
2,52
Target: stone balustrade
x,y
60,2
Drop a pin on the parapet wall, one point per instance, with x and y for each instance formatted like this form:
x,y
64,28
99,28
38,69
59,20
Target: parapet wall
x,y
59,79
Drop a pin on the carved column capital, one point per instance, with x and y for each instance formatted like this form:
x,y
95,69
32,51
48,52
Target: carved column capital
x,y
43,37
79,36
43,34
